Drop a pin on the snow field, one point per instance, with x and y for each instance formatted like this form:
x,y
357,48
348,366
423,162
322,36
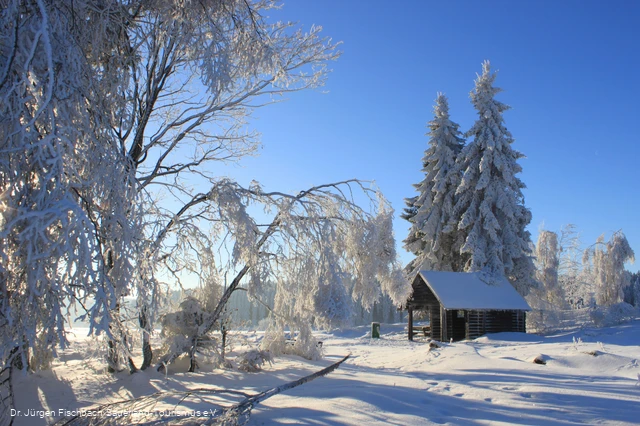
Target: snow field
x,y
590,377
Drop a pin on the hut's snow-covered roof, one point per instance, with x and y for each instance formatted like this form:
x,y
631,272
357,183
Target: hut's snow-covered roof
x,y
474,290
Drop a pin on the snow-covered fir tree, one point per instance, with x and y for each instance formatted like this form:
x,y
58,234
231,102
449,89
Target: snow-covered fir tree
x,y
490,204
408,214
634,289
432,239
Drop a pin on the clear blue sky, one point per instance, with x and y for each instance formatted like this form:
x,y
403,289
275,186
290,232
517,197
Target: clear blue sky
x,y
569,69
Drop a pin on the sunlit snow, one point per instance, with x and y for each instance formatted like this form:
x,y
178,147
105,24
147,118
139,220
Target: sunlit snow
x,y
590,377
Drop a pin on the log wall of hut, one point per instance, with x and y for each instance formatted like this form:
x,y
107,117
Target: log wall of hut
x,y
476,321
499,321
483,322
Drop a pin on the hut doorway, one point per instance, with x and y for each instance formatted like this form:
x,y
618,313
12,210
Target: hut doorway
x,y
459,325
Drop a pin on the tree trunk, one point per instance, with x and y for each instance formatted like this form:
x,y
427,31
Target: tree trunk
x,y
223,332
147,353
113,357
20,357
193,364
113,360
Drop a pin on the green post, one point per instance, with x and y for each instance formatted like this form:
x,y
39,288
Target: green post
x,y
375,330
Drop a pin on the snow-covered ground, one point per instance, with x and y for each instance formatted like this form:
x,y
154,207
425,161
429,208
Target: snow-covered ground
x,y
590,377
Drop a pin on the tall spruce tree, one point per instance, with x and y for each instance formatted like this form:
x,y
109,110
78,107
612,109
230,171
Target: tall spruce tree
x,y
489,199
409,214
431,237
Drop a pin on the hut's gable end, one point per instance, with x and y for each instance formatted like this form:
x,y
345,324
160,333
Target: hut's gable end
x,y
423,299
422,296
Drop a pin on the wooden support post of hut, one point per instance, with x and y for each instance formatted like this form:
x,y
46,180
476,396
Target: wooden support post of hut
x,y
410,323
466,305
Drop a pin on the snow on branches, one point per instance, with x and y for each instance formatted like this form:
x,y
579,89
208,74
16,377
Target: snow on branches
x,y
608,271
106,127
432,238
61,175
469,214
321,248
489,200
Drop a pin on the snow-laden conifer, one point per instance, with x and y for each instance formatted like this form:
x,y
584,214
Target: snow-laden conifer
x,y
490,204
431,237
635,289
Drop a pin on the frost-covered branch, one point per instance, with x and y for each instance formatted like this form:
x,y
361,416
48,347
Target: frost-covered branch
x,y
432,237
608,273
338,253
60,174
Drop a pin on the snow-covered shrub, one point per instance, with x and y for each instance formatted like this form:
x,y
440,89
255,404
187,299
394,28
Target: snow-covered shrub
x,y
186,320
577,342
263,324
304,344
274,340
253,360
212,357
611,315
542,320
179,326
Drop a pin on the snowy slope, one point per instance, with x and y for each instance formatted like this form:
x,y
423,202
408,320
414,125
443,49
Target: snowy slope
x,y
590,377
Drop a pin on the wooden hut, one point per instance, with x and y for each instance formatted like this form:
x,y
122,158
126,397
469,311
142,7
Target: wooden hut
x,y
465,305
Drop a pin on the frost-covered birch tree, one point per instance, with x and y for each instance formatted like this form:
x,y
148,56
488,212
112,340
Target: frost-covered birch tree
x,y
547,256
114,114
60,172
548,298
321,248
201,71
608,273
571,272
432,235
490,204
